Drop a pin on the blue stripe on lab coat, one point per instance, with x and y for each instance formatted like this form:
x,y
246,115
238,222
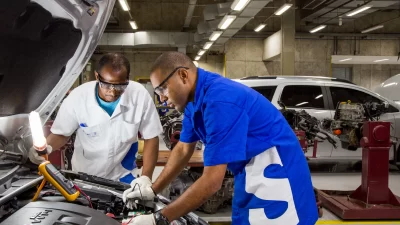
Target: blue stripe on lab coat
x,y
129,162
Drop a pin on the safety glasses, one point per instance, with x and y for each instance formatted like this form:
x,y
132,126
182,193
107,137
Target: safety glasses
x,y
109,86
160,89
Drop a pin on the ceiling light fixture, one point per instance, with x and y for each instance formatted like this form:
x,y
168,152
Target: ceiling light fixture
x,y
197,58
238,5
133,25
358,10
282,9
215,35
343,60
207,45
226,21
372,28
320,27
260,27
124,4
201,52
196,63
381,60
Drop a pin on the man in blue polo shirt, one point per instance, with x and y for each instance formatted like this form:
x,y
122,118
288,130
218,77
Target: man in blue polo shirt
x,y
243,132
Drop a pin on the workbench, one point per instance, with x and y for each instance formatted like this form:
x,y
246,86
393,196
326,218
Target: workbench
x,y
195,161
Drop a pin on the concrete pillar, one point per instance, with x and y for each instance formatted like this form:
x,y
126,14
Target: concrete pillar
x,y
288,28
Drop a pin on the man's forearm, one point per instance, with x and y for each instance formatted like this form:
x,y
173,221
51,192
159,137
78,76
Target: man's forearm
x,y
150,155
197,194
178,159
56,141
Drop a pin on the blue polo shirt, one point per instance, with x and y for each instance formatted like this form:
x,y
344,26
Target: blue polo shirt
x,y
242,129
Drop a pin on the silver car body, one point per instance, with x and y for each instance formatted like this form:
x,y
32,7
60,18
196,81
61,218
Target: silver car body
x,y
325,150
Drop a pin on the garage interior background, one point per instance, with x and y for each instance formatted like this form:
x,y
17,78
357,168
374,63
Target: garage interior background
x,y
186,25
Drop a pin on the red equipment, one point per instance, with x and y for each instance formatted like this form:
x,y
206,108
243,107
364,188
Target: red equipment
x,y
373,199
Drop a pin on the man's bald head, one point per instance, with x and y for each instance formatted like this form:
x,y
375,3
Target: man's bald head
x,y
168,61
173,76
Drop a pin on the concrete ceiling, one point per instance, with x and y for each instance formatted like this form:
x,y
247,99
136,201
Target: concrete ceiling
x,y
170,16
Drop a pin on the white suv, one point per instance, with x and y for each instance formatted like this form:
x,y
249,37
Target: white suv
x,y
319,97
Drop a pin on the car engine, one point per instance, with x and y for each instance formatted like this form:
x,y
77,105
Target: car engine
x,y
172,127
100,201
348,121
219,200
301,120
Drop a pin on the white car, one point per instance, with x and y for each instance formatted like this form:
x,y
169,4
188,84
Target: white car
x,y
390,89
319,97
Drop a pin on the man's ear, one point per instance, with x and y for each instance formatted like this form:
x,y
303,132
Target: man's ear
x,y
184,75
96,75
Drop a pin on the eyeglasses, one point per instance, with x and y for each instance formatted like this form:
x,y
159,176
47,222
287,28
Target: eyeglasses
x,y
109,86
160,90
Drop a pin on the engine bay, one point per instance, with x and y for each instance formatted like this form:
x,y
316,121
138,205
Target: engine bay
x,y
100,201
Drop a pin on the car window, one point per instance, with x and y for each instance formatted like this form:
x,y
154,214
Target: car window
x,y
266,91
340,94
302,96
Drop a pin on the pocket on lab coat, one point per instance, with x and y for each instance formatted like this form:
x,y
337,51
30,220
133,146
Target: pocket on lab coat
x,y
94,141
129,132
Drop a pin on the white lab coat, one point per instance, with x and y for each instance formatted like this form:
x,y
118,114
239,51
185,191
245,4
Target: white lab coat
x,y
103,141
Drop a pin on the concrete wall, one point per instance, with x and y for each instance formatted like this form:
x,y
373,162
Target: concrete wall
x,y
244,58
141,63
313,56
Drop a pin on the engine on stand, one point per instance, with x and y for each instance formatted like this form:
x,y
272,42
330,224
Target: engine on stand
x,y
219,200
172,127
349,118
306,128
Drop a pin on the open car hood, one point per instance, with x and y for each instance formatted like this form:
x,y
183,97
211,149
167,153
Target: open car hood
x,y
44,45
390,88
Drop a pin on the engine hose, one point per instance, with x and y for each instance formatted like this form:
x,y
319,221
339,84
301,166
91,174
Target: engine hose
x,y
20,190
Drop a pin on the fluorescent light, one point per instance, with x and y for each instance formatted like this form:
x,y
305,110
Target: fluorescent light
x,y
226,21
390,84
302,103
215,35
372,28
207,45
201,52
343,60
320,27
381,60
282,9
124,4
133,25
319,96
358,10
197,58
260,27
39,141
238,5
196,63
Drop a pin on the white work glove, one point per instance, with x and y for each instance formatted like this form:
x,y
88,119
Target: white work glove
x,y
35,157
140,189
143,220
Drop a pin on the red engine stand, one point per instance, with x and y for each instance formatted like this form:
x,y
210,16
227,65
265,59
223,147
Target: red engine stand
x,y
373,199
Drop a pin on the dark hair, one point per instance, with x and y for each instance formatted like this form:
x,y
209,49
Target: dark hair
x,y
116,60
168,61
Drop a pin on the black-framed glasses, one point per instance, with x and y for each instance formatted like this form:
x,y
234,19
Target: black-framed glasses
x,y
109,86
160,90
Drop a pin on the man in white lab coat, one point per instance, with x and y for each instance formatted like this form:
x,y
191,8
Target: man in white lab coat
x,y
108,114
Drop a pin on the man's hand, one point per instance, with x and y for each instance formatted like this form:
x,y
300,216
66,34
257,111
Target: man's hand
x,y
143,220
140,189
35,158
